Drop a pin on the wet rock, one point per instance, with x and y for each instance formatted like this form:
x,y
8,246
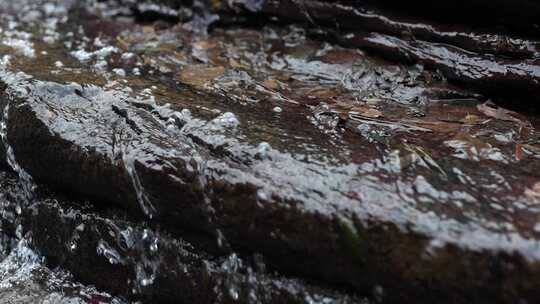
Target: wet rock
x,y
464,55
374,178
134,161
137,262
143,264
24,277
491,76
492,60
479,13
336,224
364,18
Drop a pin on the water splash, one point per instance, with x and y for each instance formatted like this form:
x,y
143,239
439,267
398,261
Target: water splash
x,y
25,279
147,266
25,179
142,197
111,254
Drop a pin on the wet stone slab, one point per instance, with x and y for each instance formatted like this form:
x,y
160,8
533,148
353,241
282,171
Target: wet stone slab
x,y
24,275
136,261
334,166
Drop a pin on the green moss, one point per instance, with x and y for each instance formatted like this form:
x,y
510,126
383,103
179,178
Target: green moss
x,y
352,241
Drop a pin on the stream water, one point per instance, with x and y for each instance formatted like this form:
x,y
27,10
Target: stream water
x,y
155,160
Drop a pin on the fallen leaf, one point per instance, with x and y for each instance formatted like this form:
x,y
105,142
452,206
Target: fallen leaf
x,y
493,111
435,126
534,191
371,113
532,149
358,109
425,157
475,142
199,76
271,84
321,93
122,43
470,147
148,29
471,119
235,64
203,45
518,151
180,56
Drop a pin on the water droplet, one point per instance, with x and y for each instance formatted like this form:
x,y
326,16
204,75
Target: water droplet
x,y
80,227
109,253
120,72
19,231
220,238
262,149
233,292
261,195
154,245
226,120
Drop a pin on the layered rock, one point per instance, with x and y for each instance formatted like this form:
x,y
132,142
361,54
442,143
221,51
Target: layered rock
x,y
334,166
132,260
483,46
342,224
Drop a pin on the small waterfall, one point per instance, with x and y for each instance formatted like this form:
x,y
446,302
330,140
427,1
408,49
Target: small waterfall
x,y
27,183
143,199
128,162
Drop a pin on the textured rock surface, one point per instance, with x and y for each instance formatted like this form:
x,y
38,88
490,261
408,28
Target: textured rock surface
x,y
331,165
483,46
486,60
331,222
103,249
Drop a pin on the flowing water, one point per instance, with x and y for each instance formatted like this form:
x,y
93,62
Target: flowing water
x,y
323,136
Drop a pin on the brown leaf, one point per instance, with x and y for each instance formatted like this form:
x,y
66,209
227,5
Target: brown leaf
x,y
180,56
471,119
203,45
437,126
534,191
361,110
271,84
372,113
532,149
148,29
122,43
493,111
475,142
321,93
235,64
518,151
199,76
471,145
